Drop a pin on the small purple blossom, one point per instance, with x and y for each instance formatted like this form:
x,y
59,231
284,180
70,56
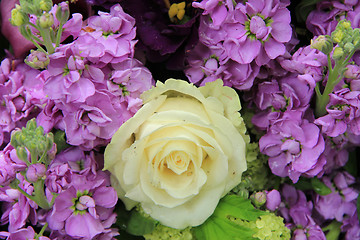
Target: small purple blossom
x,y
273,199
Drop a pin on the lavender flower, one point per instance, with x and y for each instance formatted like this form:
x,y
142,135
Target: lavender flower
x,y
323,20
340,202
23,234
293,146
20,95
262,28
85,209
342,113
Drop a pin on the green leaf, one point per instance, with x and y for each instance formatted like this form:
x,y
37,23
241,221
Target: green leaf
x,y
319,187
139,224
233,205
333,230
220,225
352,164
60,141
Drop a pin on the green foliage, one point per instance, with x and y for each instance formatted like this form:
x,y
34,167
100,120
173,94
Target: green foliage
x,y
139,224
221,224
304,8
162,232
60,141
313,184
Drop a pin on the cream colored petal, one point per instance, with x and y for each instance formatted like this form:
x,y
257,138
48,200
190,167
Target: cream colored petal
x,y
122,139
237,159
185,185
156,194
173,88
191,213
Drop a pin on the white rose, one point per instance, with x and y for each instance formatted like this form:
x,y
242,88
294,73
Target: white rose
x,y
180,153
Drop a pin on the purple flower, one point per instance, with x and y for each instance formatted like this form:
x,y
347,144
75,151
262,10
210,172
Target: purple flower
x,y
218,10
10,164
23,234
273,199
308,63
21,95
293,146
18,209
323,20
351,227
85,209
340,202
35,172
343,113
288,94
262,29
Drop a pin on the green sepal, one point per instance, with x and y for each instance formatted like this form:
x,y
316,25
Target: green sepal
x,y
220,225
333,230
60,141
320,187
139,224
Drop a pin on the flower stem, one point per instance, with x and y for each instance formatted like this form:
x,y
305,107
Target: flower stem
x,y
40,197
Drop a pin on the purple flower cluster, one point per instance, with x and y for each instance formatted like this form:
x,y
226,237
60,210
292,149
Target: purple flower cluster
x,y
84,204
21,96
93,84
323,20
235,40
308,212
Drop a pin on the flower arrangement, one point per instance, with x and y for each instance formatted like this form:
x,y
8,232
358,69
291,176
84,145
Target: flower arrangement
x,y
169,120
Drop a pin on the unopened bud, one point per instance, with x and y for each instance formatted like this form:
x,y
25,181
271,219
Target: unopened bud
x,y
322,43
37,59
46,20
63,12
338,53
31,124
15,138
18,17
258,199
349,47
45,5
346,24
22,154
35,172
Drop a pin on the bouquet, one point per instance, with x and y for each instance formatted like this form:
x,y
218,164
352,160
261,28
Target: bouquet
x,y
169,120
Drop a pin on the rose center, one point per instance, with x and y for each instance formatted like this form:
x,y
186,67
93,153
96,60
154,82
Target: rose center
x,y
177,161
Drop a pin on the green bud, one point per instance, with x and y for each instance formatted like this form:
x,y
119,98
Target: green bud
x,y
356,37
46,20
338,53
49,140
258,199
22,154
45,5
31,124
337,35
349,47
18,17
322,43
15,137
345,24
